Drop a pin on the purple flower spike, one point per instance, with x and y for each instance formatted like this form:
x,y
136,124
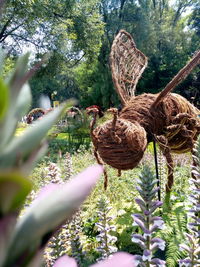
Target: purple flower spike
x,y
156,205
137,260
184,247
141,203
139,223
147,255
146,221
192,244
158,262
186,262
158,224
138,239
157,243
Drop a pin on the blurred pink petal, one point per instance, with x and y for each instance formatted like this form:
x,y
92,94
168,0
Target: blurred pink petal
x,y
65,261
58,203
85,181
46,190
87,178
120,259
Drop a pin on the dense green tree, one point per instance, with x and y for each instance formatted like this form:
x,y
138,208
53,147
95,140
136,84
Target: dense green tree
x,y
69,30
70,27
79,34
54,80
159,30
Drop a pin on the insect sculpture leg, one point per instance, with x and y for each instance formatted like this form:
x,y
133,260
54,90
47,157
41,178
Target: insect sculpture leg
x,y
156,166
183,132
163,143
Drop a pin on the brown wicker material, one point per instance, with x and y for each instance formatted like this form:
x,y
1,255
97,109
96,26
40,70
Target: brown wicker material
x,y
127,65
120,143
34,114
166,118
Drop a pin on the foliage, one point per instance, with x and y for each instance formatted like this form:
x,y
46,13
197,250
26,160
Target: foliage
x,y
79,34
161,25
46,25
23,239
120,192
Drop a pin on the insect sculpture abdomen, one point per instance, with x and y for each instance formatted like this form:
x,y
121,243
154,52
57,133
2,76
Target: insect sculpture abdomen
x,y
173,118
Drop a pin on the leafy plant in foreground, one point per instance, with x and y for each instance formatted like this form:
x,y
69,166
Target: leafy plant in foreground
x,y
147,221
23,239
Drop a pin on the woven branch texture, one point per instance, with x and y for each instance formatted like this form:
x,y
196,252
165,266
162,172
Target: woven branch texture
x,y
127,65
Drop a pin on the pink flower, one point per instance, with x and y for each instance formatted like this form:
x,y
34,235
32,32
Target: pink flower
x,y
120,259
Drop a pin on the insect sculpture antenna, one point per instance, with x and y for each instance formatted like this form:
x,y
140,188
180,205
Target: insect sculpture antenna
x,y
167,118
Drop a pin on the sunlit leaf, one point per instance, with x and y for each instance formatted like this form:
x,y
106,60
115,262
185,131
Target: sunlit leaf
x,y
4,95
13,190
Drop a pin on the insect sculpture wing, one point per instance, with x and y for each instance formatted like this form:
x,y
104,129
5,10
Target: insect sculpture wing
x,y
181,75
127,65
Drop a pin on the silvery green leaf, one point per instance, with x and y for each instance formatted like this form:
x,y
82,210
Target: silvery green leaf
x,y
14,80
37,260
15,112
33,158
23,101
21,147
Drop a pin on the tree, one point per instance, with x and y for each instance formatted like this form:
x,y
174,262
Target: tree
x,y
64,26
54,80
70,31
159,30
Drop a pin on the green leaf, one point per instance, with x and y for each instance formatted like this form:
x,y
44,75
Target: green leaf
x,y
15,112
56,204
4,98
21,147
13,190
23,101
33,158
15,80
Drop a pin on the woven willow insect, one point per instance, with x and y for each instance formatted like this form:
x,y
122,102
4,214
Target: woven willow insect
x,y
167,118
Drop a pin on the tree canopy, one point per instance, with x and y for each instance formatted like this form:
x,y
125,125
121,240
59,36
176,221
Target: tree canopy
x,y
78,35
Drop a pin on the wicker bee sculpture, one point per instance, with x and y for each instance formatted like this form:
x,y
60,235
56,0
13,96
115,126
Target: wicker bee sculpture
x,y
167,118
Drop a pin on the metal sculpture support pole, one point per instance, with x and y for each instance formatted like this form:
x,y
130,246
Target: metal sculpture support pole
x,y
156,166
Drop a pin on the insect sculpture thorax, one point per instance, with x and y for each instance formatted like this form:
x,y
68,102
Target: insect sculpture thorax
x,y
167,118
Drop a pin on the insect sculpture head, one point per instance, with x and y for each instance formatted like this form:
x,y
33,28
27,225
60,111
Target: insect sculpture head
x,y
120,143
